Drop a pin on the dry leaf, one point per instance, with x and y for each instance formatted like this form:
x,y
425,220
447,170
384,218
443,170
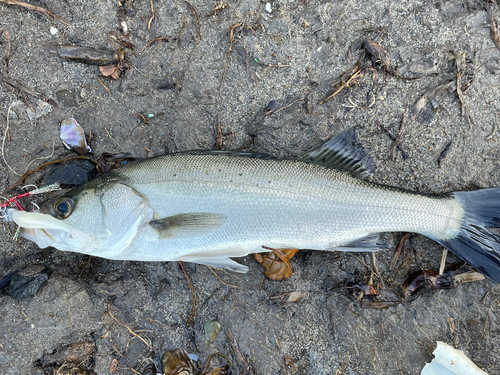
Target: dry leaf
x,y
451,324
296,296
365,289
114,365
276,267
108,70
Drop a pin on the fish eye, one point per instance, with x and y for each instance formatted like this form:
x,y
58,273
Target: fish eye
x,y
63,207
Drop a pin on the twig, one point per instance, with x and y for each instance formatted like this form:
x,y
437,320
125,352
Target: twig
x,y
289,105
109,135
443,261
29,91
494,128
103,85
160,38
222,281
6,53
131,332
243,362
193,310
398,137
275,66
377,272
152,17
393,138
348,78
195,13
232,33
36,9
494,30
399,248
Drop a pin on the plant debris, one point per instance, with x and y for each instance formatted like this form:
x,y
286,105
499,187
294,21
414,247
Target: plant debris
x,y
71,359
277,263
433,280
85,55
107,162
122,39
114,71
379,56
444,153
36,9
379,304
29,91
494,29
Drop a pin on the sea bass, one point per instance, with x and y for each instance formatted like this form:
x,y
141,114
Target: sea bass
x,y
206,207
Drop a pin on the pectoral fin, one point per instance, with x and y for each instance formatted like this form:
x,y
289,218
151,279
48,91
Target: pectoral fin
x,y
188,225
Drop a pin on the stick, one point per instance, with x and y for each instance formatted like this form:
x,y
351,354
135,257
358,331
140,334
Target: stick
x,y
132,332
152,17
193,9
193,310
36,9
443,261
29,90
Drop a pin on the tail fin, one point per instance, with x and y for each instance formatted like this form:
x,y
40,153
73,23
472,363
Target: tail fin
x,y
475,244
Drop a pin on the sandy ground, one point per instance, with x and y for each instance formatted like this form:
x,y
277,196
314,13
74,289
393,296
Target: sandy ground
x,y
224,67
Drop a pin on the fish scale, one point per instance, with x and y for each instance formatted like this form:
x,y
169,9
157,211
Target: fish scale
x,y
288,203
206,207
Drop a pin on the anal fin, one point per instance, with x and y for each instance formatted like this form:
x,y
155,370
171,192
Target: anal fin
x,y
371,243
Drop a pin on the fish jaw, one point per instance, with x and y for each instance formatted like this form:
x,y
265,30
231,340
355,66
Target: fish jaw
x,y
45,230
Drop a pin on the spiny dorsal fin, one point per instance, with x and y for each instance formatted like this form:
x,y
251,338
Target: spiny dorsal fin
x,y
187,225
343,152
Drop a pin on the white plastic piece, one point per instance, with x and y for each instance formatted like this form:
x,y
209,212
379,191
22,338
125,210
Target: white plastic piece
x,y
450,361
53,30
268,8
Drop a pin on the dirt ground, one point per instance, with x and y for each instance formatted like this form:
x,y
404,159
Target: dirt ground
x,y
220,68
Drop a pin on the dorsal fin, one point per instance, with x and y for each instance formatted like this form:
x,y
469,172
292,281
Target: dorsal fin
x,y
343,152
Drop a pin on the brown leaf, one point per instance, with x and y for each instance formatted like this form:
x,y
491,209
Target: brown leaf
x,y
277,263
365,289
114,365
108,70
451,324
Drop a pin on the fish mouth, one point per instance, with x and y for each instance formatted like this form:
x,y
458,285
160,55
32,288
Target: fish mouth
x,y
45,230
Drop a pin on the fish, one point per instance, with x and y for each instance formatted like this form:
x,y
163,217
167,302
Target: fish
x,y
207,207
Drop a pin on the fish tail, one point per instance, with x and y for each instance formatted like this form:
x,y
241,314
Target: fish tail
x,y
475,243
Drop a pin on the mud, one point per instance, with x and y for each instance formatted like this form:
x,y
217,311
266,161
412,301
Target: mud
x,y
220,69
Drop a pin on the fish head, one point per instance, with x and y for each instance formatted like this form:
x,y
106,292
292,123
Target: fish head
x,y
95,219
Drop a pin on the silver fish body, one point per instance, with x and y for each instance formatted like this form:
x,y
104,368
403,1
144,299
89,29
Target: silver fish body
x,y
207,207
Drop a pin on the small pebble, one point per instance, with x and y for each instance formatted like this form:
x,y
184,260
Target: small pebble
x,y
53,30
